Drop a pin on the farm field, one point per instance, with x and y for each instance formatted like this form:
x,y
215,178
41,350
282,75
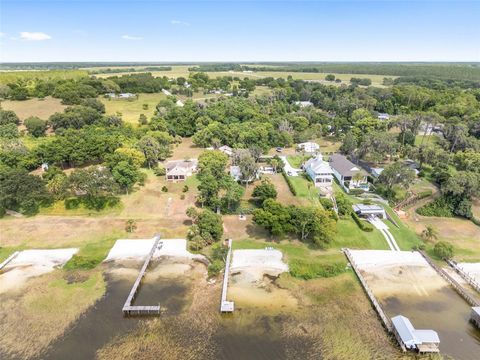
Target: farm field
x,y
43,108
182,71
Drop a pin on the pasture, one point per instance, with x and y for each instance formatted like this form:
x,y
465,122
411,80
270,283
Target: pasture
x,y
43,108
132,108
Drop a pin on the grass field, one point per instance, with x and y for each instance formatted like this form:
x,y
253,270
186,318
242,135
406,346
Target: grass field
x,y
131,109
34,107
305,189
178,71
297,160
13,76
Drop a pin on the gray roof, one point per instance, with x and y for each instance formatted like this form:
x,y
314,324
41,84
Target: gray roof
x,y
476,309
410,336
367,208
181,164
344,166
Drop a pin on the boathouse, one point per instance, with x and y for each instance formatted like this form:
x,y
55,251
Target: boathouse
x,y
475,316
423,341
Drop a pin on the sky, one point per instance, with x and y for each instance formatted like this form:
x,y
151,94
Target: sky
x,y
195,31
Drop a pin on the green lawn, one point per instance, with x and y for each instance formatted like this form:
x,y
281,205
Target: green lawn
x,y
404,236
351,236
92,253
305,189
297,160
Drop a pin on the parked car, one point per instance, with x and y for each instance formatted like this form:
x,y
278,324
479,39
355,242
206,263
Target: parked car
x,y
279,149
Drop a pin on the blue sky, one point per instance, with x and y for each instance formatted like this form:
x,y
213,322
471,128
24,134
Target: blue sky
x,y
152,30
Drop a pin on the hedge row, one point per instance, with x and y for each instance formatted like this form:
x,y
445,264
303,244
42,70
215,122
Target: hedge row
x,y
365,226
290,185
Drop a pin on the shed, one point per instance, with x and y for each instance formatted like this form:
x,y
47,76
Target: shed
x,y
309,147
421,340
369,210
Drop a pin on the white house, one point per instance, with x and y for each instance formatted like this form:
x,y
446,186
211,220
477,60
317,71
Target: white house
x,y
383,116
179,170
304,103
349,175
308,147
319,171
236,174
179,103
126,95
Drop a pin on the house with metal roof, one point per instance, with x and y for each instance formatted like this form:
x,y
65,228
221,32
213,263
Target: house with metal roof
x,y
319,171
421,340
349,175
179,170
475,316
227,150
369,210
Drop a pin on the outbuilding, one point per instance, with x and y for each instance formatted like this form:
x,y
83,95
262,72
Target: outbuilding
x,y
369,210
423,341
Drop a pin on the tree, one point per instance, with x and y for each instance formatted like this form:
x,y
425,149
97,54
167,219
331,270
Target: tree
x,y
248,168
312,223
35,126
207,228
94,185
126,175
132,156
443,250
429,233
265,190
274,217
75,117
20,191
212,162
9,131
230,193
397,174
142,119
8,117
130,225
349,143
330,77
151,149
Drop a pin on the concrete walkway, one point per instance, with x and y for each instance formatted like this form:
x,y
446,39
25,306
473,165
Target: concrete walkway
x,y
289,169
383,228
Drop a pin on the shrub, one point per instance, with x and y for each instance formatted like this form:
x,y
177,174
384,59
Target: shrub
x,y
365,226
215,267
164,188
159,170
356,191
440,207
443,250
326,203
289,183
72,203
185,189
308,270
182,197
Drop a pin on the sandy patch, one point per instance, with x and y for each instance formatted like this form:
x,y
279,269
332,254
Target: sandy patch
x,y
472,269
140,248
31,263
397,272
258,262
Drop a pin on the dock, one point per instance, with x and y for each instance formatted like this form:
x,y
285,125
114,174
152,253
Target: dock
x,y
128,308
225,305
386,321
10,258
458,288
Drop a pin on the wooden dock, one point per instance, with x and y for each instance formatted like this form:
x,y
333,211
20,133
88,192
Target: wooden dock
x,y
376,305
128,308
458,288
10,258
470,280
225,305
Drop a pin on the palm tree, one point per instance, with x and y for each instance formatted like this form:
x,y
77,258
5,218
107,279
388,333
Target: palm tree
x,y
429,233
130,225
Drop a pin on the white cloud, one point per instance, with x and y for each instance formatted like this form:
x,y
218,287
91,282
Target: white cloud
x,y
179,22
130,37
2,34
34,36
